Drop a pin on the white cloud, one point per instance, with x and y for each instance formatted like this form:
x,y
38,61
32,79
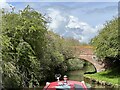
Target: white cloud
x,y
83,31
5,5
56,17
74,23
70,26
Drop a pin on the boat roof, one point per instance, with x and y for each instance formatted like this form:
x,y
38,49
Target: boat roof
x,y
70,85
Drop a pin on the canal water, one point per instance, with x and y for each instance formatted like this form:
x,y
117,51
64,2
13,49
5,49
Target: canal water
x,y
78,75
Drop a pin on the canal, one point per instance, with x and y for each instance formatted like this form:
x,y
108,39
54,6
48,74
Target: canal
x,y
78,75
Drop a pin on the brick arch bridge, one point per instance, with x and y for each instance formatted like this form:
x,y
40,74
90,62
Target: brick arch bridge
x,y
87,53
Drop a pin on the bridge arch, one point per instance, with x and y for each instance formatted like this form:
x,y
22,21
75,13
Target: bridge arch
x,y
86,53
91,64
90,59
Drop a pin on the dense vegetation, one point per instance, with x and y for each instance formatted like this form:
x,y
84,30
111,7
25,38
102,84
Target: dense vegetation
x,y
107,43
23,38
108,76
76,64
107,49
30,53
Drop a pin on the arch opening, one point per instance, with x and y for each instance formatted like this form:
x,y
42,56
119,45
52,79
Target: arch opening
x,y
89,65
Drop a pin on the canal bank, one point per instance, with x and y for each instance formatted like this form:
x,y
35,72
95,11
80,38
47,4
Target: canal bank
x,y
92,81
108,78
96,80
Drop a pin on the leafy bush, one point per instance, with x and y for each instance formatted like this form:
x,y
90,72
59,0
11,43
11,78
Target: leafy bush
x,y
30,53
75,64
107,44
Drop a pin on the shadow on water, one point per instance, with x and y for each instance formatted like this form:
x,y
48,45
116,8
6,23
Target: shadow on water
x,y
77,75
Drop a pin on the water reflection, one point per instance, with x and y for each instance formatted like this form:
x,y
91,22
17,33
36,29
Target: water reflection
x,y
78,76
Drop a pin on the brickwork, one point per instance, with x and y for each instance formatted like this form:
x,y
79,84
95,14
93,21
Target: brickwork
x,y
87,53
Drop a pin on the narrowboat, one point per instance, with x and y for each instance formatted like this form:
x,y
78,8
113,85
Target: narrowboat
x,y
65,84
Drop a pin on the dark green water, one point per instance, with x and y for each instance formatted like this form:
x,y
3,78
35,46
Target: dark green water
x,y
78,76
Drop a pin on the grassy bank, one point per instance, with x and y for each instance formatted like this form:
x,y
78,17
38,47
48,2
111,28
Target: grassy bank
x,y
109,76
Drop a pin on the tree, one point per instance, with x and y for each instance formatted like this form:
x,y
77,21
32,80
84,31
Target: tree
x,y
30,53
107,43
23,46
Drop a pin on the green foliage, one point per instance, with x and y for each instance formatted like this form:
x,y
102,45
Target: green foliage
x,y
30,53
55,57
75,64
106,43
110,76
23,37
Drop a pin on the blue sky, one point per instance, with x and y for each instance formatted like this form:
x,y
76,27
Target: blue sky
x,y
79,20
